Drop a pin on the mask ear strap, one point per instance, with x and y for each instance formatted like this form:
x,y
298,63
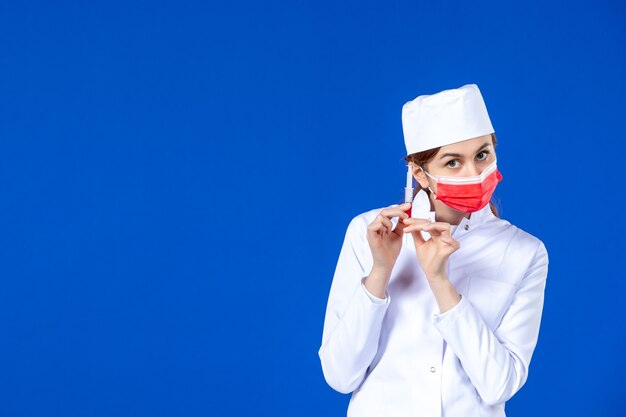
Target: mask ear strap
x,y
420,167
431,190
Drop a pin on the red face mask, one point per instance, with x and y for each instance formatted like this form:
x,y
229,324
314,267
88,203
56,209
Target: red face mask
x,y
467,194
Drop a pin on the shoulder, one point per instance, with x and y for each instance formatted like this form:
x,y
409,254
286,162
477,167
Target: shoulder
x,y
520,242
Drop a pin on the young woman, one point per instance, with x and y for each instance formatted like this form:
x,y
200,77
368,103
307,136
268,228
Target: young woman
x,y
436,313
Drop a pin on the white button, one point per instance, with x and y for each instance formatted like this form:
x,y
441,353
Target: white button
x,y
466,227
432,369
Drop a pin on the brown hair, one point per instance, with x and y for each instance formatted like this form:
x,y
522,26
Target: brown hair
x,y
421,158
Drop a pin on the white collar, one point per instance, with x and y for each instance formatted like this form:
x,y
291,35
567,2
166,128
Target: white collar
x,y
421,209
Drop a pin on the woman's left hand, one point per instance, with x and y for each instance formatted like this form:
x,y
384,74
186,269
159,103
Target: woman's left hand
x,y
433,253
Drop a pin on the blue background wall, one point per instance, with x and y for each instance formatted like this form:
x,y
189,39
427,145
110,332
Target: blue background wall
x,y
176,180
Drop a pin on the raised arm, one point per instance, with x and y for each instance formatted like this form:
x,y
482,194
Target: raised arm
x,y
497,362
358,298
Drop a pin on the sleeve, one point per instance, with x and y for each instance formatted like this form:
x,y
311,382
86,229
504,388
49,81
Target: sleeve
x,y
371,296
353,319
497,362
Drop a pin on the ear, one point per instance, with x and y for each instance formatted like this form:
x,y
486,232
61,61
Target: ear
x,y
419,176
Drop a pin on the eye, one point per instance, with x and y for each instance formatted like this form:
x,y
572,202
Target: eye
x,y
451,161
486,155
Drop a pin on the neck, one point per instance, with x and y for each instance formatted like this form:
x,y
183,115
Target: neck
x,y
444,213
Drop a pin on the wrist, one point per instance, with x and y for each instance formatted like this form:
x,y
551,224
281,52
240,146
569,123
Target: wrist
x,y
438,279
445,294
381,270
377,280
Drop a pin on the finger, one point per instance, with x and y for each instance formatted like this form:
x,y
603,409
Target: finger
x,y
415,231
413,227
441,225
376,226
447,240
452,242
398,227
414,220
418,238
439,229
398,211
382,225
385,221
381,220
417,224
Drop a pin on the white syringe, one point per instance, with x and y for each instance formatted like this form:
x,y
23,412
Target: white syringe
x,y
408,198
408,190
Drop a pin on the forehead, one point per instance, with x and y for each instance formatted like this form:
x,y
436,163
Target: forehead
x,y
466,147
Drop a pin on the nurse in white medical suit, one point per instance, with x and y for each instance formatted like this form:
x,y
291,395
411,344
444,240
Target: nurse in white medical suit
x,y
436,313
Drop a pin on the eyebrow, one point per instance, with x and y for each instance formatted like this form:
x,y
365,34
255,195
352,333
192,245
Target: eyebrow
x,y
486,144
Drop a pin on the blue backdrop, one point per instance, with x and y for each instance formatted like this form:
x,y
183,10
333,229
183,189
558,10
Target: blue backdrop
x,y
177,178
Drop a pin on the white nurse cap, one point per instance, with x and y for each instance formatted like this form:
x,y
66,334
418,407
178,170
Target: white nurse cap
x,y
450,116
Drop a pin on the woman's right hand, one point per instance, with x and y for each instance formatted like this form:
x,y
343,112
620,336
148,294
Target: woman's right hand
x,y
385,243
